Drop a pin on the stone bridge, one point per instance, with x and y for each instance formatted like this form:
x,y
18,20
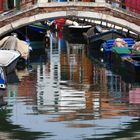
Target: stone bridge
x,y
94,12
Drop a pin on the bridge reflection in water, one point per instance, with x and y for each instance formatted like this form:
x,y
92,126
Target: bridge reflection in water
x,y
69,95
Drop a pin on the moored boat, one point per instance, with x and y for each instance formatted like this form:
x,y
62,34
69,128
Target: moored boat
x,y
128,57
13,43
38,27
76,28
97,33
124,55
107,46
118,52
132,63
8,60
73,31
2,79
125,49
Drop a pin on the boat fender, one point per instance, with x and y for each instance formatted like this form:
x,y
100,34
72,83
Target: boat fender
x,y
101,49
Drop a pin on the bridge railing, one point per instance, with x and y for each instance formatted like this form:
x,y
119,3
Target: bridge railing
x,y
24,8
14,12
70,10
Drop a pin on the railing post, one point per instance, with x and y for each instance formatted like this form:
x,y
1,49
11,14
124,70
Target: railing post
x,y
17,5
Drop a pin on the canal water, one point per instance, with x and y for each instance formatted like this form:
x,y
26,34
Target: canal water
x,y
70,93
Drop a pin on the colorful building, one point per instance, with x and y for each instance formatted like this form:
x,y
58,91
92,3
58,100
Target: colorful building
x,y
1,5
6,5
133,5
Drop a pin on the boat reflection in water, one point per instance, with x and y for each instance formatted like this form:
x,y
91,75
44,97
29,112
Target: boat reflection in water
x,y
70,96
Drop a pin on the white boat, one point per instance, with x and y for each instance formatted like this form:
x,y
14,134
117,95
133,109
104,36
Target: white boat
x,y
76,28
8,60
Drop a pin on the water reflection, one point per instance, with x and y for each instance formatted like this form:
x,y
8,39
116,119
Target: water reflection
x,y
69,94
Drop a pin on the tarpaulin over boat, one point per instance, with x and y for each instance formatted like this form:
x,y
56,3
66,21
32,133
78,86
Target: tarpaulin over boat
x,y
13,43
119,50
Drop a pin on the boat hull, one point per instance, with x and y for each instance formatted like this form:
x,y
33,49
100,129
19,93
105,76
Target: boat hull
x,y
129,75
78,29
74,34
8,60
133,63
104,36
11,67
129,62
2,79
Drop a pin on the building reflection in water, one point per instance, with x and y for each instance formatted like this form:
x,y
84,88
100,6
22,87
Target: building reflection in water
x,y
48,79
70,82
69,87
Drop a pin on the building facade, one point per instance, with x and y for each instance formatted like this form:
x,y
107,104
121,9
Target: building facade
x,y
133,5
6,5
1,6
130,5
